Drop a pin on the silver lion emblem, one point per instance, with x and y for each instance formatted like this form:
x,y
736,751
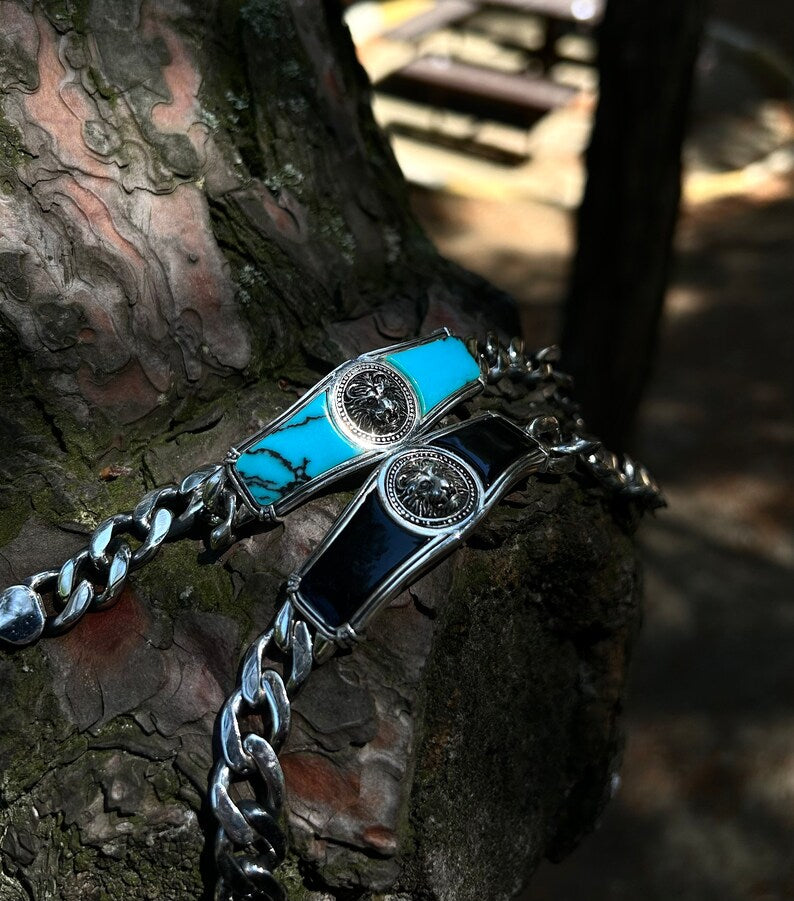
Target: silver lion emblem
x,y
430,488
375,404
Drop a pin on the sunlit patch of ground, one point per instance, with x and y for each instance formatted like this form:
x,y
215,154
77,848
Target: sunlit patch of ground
x,y
706,806
741,142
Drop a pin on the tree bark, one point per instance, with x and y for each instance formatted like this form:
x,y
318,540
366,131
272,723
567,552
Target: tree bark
x,y
647,53
199,218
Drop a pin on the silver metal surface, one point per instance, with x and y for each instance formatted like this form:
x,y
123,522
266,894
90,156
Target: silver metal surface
x,y
250,841
428,489
443,539
22,615
622,476
372,449
94,577
373,404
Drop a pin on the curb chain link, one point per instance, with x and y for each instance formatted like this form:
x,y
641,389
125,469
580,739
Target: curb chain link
x,y
623,476
94,577
250,841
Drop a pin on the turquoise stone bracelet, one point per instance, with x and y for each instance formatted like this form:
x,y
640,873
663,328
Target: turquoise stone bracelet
x,y
363,410
431,490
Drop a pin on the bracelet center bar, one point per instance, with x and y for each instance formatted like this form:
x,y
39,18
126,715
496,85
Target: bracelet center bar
x,y
417,508
360,412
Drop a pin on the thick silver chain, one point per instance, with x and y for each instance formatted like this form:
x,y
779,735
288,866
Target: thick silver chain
x,y
246,789
94,577
622,476
250,841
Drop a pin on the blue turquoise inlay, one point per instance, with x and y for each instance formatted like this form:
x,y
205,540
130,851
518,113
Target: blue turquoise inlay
x,y
308,445
436,369
302,448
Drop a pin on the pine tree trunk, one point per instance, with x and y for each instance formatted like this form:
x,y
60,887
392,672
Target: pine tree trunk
x,y
198,219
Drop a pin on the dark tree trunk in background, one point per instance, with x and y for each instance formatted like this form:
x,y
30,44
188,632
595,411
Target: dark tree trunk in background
x,y
647,53
198,218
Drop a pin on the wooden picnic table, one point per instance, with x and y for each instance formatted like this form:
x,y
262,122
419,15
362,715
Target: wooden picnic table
x,y
510,97
517,98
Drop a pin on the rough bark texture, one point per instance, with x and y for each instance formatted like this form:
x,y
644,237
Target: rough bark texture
x,y
647,53
198,218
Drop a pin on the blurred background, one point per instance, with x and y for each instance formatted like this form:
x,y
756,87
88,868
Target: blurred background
x,y
705,808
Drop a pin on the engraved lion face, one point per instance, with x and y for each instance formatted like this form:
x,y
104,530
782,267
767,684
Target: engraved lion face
x,y
375,403
431,489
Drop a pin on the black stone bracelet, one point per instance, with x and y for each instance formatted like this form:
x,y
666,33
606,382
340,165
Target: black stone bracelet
x,y
429,492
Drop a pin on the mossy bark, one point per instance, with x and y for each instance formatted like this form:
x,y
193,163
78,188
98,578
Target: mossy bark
x,y
199,218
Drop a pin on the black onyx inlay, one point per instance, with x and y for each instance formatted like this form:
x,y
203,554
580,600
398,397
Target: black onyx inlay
x,y
370,547
489,444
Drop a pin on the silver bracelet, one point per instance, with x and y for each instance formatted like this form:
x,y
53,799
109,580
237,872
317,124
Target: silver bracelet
x,y
429,491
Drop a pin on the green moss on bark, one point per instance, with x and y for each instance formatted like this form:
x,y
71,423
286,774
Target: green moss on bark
x,y
12,146
67,15
28,699
178,580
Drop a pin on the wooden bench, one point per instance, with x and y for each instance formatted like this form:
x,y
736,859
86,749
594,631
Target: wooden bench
x,y
487,93
442,15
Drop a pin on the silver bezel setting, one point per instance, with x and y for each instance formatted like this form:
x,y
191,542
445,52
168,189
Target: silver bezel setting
x,y
370,455
442,540
393,501
343,417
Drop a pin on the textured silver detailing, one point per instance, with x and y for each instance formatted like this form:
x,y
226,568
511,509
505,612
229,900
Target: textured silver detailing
x,y
94,577
375,404
623,476
430,488
498,361
250,841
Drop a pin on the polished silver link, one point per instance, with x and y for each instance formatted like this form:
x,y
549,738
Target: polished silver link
x,y
221,535
104,533
499,361
94,577
622,476
625,477
302,657
250,842
79,601
117,575
282,627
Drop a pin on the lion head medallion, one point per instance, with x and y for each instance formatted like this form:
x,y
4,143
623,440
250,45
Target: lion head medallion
x,y
430,488
374,404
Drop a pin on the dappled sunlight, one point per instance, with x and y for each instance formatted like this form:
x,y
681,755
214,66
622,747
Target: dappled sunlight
x,y
706,806
743,512
705,809
684,301
718,426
